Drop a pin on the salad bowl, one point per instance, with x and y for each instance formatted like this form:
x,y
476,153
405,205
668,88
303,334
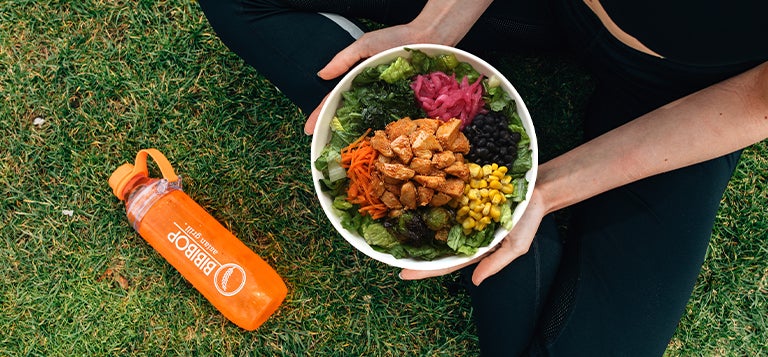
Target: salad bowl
x,y
322,135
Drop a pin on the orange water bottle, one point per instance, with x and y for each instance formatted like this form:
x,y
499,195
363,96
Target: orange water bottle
x,y
242,286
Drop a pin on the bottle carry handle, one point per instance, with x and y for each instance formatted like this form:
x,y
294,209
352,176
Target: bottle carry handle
x,y
127,172
140,166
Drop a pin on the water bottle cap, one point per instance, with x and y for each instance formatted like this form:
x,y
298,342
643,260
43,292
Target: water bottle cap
x,y
124,174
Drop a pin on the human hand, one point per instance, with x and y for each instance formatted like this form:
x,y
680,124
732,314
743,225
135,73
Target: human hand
x,y
437,23
515,244
366,46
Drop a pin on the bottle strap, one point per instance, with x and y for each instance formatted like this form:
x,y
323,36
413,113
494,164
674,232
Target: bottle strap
x,y
162,162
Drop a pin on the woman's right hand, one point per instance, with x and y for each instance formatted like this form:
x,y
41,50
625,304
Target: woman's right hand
x,y
366,46
442,22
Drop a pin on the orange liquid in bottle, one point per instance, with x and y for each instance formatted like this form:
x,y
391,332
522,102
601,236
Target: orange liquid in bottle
x,y
239,283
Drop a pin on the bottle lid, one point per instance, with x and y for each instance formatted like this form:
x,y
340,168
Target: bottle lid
x,y
124,174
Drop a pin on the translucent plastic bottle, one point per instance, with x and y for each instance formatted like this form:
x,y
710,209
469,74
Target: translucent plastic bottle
x,y
242,286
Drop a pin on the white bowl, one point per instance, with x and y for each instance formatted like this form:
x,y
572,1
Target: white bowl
x,y
322,136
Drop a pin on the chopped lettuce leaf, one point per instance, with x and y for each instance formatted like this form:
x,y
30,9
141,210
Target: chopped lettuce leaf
x,y
446,62
341,203
468,244
427,251
336,171
376,235
464,69
369,75
506,217
521,187
400,69
456,237
497,99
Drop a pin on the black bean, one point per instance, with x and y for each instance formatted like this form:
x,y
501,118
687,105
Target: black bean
x,y
491,140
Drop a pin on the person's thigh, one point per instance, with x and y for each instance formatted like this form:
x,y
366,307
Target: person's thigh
x,y
287,47
633,264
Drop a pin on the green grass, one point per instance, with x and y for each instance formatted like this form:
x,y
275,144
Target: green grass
x,y
112,77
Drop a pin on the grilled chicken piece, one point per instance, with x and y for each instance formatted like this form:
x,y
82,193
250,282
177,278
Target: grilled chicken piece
x,y
394,213
380,143
396,171
425,141
421,165
454,187
428,125
458,169
424,195
460,144
439,199
408,195
390,200
443,159
384,159
404,126
401,146
394,187
433,182
448,132
377,184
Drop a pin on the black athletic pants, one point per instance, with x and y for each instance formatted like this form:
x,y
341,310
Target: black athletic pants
x,y
618,284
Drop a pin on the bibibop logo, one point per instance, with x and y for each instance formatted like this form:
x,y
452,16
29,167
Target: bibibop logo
x,y
229,279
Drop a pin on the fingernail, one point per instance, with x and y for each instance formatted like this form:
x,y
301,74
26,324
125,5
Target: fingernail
x,y
400,275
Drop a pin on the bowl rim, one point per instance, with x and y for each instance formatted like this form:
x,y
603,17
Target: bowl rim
x,y
320,139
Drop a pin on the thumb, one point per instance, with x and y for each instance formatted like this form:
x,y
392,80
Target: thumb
x,y
341,63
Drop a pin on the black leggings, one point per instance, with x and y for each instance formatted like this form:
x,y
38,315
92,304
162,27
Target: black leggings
x,y
619,282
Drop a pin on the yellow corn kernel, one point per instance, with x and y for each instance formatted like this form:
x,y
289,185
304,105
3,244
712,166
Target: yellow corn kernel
x,y
475,170
476,215
492,178
508,189
494,184
484,192
479,227
506,179
464,200
479,183
503,170
467,231
487,170
497,198
496,213
463,211
478,206
494,166
484,221
473,194
487,209
468,223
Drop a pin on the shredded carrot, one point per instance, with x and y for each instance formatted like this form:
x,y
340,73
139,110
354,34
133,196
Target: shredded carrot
x,y
358,158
